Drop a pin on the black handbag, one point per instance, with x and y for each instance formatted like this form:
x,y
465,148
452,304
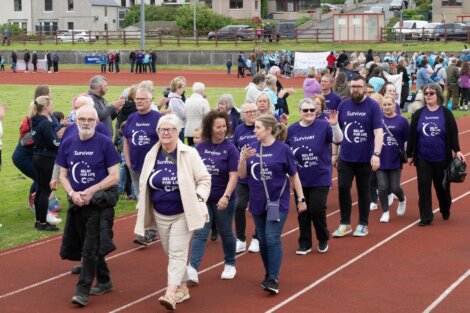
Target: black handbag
x,y
455,172
403,156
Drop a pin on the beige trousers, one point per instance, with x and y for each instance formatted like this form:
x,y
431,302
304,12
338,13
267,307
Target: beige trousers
x,y
175,238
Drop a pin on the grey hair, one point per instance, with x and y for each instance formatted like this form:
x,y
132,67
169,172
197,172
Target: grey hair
x,y
146,90
170,119
227,98
305,101
198,88
274,69
85,99
97,81
270,79
146,84
87,107
243,107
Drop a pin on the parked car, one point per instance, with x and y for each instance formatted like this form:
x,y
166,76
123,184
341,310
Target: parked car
x,y
240,32
409,28
375,10
332,7
426,33
396,5
76,35
450,31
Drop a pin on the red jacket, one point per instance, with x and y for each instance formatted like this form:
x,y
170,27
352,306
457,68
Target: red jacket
x,y
331,59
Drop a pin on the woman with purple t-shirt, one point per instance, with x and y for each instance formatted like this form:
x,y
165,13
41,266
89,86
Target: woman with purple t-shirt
x,y
244,136
269,167
220,157
389,89
320,107
432,137
389,172
310,140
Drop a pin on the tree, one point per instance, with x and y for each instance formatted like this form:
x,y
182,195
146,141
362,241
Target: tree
x,y
13,28
206,19
264,8
152,13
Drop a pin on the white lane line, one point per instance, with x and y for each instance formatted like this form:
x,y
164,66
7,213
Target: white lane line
x,y
38,243
447,292
352,261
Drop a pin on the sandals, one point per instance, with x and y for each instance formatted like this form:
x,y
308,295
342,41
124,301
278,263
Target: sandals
x,y
170,301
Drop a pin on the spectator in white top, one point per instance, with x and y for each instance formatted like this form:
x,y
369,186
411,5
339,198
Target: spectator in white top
x,y
175,101
195,108
255,88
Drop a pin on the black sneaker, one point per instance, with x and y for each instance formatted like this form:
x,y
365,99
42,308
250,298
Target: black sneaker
x,y
263,283
303,251
77,269
214,234
46,227
323,247
272,286
445,215
140,241
80,300
101,288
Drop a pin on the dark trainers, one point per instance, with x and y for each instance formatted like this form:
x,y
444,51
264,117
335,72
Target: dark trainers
x,y
323,247
77,269
445,215
101,288
46,227
140,240
214,234
80,300
272,286
303,251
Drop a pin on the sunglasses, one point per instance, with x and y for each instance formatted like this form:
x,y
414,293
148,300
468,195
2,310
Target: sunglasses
x,y
308,110
429,93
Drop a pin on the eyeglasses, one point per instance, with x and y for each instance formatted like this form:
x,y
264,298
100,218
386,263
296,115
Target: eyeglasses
x,y
251,112
166,130
308,110
429,93
142,99
88,120
357,87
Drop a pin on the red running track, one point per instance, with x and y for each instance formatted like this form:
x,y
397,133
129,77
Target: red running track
x,y
399,267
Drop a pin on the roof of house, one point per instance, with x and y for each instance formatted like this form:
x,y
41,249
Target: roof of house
x,y
109,3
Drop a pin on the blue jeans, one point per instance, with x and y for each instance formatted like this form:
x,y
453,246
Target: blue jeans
x,y
23,160
270,246
223,220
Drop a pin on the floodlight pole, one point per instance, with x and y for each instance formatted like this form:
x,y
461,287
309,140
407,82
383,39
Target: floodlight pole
x,y
194,18
142,25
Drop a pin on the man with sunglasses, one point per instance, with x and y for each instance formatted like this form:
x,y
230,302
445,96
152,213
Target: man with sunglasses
x,y
139,137
360,119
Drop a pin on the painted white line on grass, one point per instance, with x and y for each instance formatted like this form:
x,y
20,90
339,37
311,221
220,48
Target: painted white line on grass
x,y
38,243
447,292
352,261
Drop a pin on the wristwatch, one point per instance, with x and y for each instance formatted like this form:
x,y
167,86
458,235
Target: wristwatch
x,y
377,154
300,200
227,196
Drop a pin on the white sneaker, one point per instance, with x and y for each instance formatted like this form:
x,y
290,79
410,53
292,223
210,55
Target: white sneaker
x,y
192,274
254,245
385,217
229,272
401,208
241,246
53,219
373,206
390,199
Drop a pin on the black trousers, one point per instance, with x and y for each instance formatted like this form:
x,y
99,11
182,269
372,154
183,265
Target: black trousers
x,y
240,211
316,198
347,171
87,223
431,173
44,167
241,71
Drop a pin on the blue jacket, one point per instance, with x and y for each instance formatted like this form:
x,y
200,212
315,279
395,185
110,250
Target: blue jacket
x,y
422,78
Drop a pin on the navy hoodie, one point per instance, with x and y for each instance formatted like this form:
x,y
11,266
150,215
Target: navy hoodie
x,y
45,139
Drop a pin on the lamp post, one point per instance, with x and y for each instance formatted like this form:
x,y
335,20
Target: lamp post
x,y
142,25
194,18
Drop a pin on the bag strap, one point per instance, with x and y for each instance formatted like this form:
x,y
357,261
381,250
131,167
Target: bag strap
x,y
262,176
391,135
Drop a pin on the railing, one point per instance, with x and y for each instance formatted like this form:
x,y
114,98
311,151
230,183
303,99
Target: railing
x,y
422,34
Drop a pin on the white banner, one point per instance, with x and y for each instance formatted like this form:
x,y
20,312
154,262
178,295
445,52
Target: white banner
x,y
304,60
21,66
396,80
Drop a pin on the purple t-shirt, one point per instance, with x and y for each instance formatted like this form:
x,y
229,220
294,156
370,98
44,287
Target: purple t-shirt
x,y
432,135
332,101
358,121
312,151
278,161
141,134
220,160
87,161
163,183
72,130
244,135
390,155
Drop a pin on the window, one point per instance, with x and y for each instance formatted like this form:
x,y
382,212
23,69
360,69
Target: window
x,y
47,5
256,4
236,4
105,11
70,25
452,3
122,16
70,5
123,3
152,2
17,5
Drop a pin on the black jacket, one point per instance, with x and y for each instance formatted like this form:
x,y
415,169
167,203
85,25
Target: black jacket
x,y
452,135
27,56
282,102
35,58
45,139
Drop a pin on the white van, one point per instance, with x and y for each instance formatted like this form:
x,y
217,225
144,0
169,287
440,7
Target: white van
x,y
409,28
